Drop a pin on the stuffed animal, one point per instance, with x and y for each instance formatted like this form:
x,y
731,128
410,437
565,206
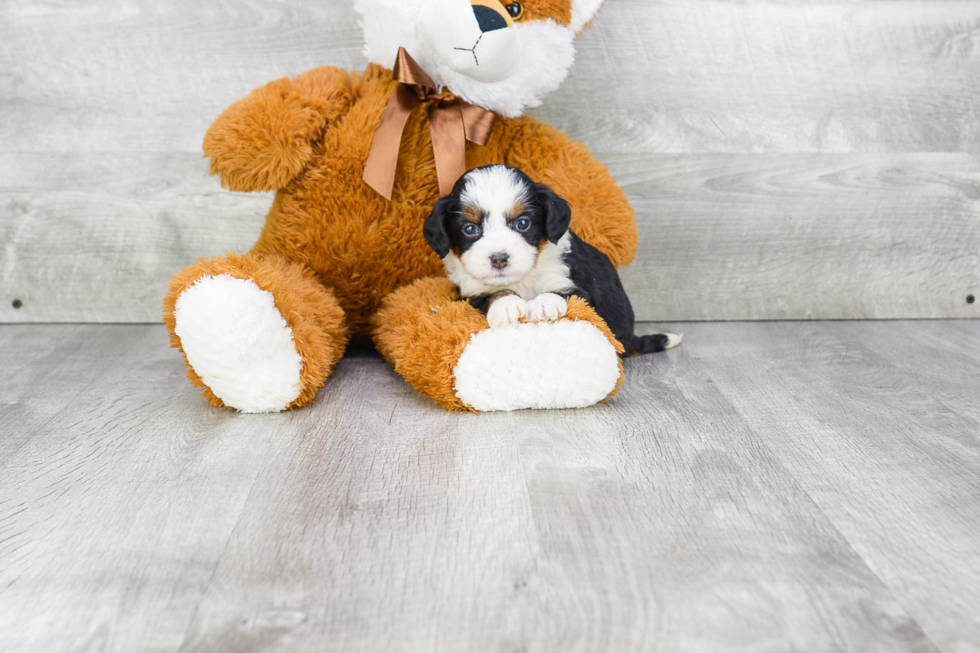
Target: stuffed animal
x,y
357,162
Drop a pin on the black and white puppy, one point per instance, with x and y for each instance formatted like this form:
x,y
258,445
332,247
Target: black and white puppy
x,y
506,244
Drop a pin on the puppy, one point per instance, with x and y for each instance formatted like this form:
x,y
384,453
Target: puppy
x,y
506,244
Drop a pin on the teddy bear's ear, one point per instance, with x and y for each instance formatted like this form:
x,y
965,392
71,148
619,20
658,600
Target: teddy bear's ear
x,y
583,11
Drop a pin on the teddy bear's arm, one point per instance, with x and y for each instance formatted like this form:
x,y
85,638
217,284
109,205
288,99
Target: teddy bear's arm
x,y
601,213
265,139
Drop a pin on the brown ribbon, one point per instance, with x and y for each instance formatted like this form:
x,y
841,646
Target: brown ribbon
x,y
452,122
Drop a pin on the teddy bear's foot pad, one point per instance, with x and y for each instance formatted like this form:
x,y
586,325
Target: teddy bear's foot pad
x,y
565,364
239,344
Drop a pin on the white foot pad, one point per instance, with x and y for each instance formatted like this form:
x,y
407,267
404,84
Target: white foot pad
x,y
562,364
239,344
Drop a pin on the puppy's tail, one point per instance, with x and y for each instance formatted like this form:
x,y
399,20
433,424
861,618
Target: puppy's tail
x,y
652,344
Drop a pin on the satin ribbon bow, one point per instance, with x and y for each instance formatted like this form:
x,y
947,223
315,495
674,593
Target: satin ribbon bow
x,y
452,122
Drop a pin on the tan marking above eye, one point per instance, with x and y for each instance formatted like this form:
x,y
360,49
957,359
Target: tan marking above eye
x,y
473,214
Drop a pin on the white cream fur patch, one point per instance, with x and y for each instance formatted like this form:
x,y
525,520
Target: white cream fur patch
x,y
239,344
582,12
564,364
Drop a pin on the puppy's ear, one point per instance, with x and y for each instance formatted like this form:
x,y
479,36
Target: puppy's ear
x,y
557,213
434,229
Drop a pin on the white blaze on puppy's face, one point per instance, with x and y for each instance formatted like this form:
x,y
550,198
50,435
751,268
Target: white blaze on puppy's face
x,y
499,196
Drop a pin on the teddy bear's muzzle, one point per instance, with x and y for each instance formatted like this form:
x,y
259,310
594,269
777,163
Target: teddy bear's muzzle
x,y
473,38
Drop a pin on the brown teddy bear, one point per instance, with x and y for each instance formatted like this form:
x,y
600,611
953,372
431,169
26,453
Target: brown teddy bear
x,y
357,162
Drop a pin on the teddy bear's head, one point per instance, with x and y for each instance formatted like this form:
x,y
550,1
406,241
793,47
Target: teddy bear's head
x,y
502,55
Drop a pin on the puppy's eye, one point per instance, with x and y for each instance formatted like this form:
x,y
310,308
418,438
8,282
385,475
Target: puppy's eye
x,y
516,10
471,230
522,224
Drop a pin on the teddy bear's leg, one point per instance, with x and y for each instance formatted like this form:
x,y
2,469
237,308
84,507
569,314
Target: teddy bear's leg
x,y
444,348
258,334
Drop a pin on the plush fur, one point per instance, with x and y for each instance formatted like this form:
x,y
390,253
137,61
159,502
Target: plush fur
x,y
332,249
239,344
568,364
425,330
310,311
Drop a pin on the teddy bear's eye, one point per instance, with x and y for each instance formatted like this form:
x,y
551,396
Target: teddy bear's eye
x,y
516,10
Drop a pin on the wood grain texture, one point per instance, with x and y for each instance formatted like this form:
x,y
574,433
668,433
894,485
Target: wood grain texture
x,y
879,424
766,487
781,155
120,492
804,236
710,75
776,76
633,527
139,76
95,238
723,237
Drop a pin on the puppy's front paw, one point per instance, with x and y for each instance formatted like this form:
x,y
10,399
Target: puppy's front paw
x,y
546,308
506,311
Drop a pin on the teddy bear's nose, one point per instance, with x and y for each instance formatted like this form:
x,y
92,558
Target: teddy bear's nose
x,y
488,19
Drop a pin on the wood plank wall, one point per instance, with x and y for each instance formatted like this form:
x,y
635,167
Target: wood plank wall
x,y
788,160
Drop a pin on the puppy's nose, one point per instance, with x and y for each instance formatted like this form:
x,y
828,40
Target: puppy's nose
x,y
490,15
499,260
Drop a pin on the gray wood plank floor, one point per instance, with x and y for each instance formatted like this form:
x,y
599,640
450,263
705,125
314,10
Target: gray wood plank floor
x,y
766,487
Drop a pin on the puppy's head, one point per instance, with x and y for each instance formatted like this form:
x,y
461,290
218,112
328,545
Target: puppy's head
x,y
495,223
